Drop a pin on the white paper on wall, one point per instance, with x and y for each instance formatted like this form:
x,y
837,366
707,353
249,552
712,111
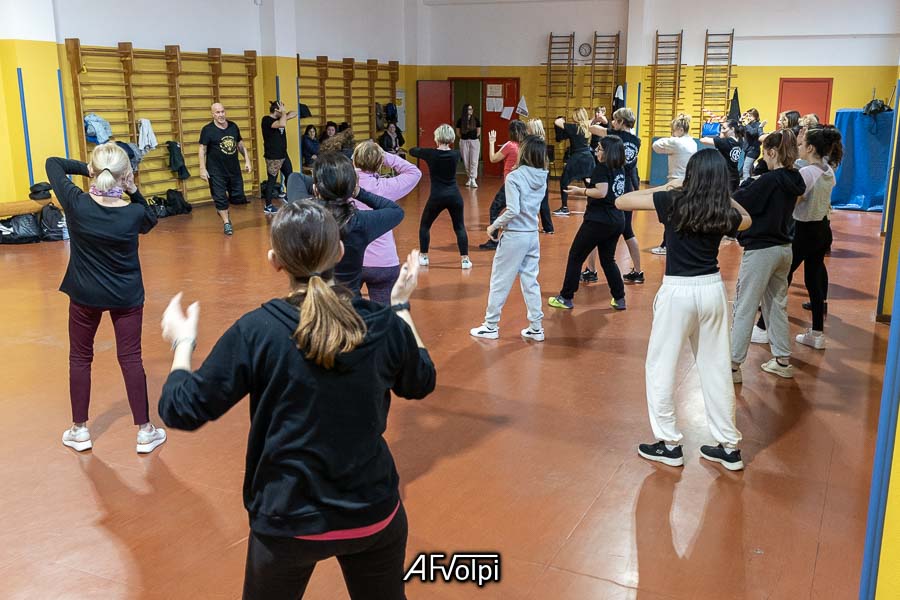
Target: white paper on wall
x,y
507,112
494,104
494,89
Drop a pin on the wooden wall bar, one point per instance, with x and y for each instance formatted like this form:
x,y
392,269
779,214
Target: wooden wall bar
x,y
172,89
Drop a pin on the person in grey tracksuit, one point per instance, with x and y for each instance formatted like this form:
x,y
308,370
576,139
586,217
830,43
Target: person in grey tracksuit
x,y
519,251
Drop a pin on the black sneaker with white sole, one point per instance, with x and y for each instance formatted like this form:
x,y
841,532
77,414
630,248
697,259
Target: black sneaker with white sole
x,y
562,211
589,276
633,277
659,453
730,460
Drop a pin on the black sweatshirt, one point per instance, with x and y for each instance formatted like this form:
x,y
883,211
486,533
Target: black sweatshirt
x,y
364,227
316,458
441,169
577,140
770,201
104,269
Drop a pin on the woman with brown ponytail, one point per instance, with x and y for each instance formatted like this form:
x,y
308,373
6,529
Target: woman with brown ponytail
x,y
319,365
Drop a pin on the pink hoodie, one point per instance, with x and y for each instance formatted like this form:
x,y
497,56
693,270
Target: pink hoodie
x,y
383,251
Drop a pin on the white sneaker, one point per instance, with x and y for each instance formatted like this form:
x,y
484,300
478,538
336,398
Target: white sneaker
x,y
147,441
466,263
469,182
812,339
423,260
786,371
530,334
737,376
485,331
659,251
474,184
77,438
759,336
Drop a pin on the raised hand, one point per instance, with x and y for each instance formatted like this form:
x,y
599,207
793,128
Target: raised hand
x,y
406,282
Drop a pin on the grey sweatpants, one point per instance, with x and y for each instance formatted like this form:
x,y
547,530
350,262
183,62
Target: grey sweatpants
x,y
519,253
762,279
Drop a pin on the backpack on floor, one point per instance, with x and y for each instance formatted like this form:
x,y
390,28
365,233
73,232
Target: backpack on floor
x,y
176,204
53,224
159,206
21,229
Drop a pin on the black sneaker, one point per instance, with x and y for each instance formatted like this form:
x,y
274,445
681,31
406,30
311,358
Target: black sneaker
x,y
270,209
659,453
489,245
229,230
633,277
562,211
730,460
589,276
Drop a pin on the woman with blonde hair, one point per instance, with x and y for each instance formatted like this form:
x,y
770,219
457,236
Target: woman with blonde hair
x,y
381,265
319,365
680,147
104,274
581,159
444,195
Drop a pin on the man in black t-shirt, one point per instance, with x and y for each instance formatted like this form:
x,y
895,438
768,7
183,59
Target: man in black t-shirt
x,y
220,142
275,149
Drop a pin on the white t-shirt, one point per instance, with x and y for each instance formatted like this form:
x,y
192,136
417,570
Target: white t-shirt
x,y
679,149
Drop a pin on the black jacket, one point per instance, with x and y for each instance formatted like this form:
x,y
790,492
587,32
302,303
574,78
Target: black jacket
x,y
363,228
770,201
316,458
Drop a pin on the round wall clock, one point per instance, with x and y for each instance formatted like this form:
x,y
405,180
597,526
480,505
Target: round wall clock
x,y
584,49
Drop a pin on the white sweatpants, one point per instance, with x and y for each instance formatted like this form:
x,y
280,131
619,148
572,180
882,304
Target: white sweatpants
x,y
693,309
470,149
519,253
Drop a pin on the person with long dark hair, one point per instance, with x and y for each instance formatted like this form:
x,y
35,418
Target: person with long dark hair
x,y
519,251
766,263
319,365
336,185
444,194
469,130
729,146
309,146
691,306
508,154
603,224
104,275
330,130
581,160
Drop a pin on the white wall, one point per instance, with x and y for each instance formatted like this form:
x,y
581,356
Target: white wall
x,y
195,25
31,20
774,32
360,29
511,32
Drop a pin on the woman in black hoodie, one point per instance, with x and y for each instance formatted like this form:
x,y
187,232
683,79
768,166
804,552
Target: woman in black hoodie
x,y
763,277
319,366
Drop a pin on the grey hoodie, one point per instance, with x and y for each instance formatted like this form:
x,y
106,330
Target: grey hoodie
x,y
525,188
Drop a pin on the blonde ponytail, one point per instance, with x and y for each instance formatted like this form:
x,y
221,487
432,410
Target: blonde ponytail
x,y
328,323
580,116
109,164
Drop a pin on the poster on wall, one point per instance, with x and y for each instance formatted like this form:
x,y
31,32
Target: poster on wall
x,y
495,89
507,113
494,104
522,108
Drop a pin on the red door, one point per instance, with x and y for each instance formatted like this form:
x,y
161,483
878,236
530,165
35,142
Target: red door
x,y
806,96
492,120
433,108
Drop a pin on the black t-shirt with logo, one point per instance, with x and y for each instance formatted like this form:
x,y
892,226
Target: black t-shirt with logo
x,y
274,140
221,147
730,148
604,209
632,147
690,255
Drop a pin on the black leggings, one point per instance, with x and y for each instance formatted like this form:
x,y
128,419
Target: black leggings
x,y
580,166
279,568
433,208
812,239
286,170
603,236
546,215
628,232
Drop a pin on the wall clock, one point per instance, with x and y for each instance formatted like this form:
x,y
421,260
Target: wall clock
x,y
585,49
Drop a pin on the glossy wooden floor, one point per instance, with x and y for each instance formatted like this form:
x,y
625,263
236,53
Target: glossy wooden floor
x,y
529,450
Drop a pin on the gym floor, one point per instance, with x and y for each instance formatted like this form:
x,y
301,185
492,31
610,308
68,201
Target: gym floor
x,y
525,449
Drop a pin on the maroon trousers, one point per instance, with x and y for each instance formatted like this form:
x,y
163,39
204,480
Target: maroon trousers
x,y
83,323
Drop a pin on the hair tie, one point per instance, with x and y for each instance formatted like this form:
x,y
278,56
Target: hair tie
x,y
315,274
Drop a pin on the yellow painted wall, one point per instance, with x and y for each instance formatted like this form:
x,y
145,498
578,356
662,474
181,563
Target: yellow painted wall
x,y
39,63
888,586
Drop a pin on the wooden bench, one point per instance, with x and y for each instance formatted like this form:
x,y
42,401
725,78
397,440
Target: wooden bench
x,y
23,207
